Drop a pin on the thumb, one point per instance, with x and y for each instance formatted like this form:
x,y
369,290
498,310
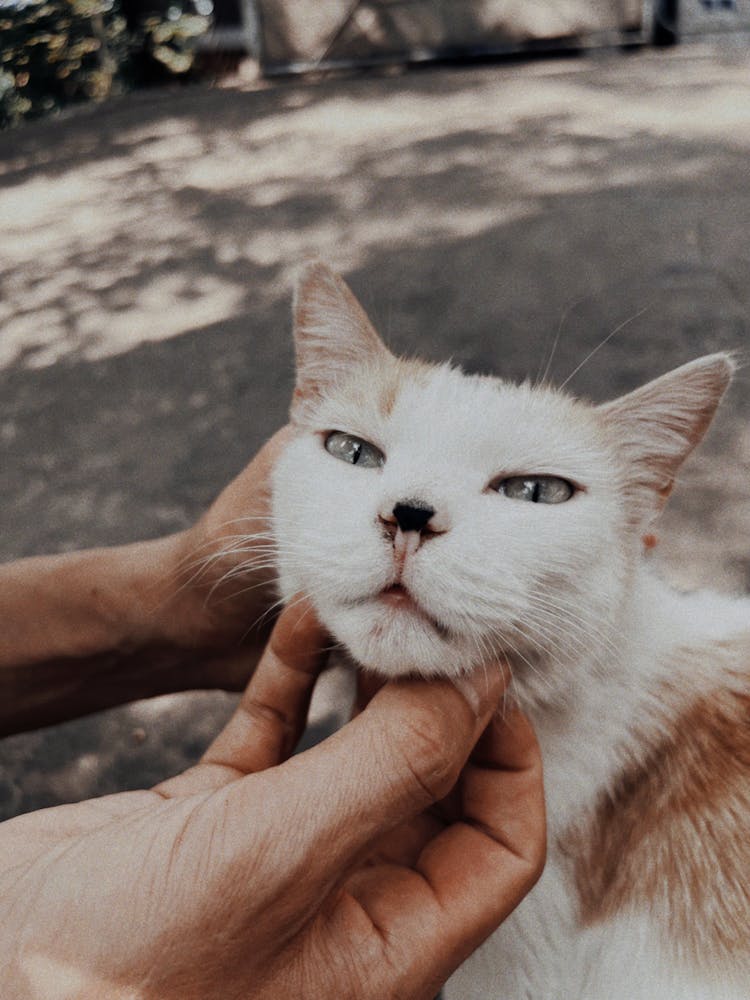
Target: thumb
x,y
399,756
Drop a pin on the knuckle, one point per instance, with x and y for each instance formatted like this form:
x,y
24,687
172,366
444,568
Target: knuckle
x,y
535,854
431,755
535,859
263,716
539,859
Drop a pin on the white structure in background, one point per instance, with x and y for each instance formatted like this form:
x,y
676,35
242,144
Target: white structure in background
x,y
290,36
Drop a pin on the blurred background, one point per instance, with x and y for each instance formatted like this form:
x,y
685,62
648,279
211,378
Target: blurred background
x,y
493,178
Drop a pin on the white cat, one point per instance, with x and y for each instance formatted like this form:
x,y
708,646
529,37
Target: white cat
x,y
437,519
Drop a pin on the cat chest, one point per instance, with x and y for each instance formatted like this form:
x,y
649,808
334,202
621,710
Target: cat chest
x,y
545,951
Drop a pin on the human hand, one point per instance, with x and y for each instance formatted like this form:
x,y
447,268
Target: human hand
x,y
95,628
221,578
331,873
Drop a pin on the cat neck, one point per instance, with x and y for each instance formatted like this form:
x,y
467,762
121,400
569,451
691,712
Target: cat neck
x,y
673,650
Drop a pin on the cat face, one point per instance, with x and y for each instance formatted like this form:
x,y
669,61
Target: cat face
x,y
436,519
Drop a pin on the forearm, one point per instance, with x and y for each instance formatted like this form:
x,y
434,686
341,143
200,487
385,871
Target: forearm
x,y
88,630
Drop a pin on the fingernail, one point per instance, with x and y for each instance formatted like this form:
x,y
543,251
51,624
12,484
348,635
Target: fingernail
x,y
482,687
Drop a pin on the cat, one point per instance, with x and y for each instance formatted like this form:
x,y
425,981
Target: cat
x,y
437,519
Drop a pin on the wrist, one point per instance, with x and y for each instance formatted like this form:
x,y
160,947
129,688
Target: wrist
x,y
190,601
218,604
146,598
88,630
95,601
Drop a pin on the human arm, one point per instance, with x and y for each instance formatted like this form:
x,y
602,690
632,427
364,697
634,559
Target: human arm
x,y
340,872
87,630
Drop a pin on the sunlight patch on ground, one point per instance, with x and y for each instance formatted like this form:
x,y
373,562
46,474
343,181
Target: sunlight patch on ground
x,y
159,233
157,311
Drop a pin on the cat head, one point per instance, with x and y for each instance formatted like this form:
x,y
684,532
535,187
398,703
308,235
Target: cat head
x,y
435,518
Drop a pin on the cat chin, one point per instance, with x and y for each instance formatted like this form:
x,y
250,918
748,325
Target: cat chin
x,y
394,645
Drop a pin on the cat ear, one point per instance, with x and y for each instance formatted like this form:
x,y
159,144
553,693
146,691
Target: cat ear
x,y
657,426
332,335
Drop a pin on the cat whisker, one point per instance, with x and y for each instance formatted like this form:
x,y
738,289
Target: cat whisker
x,y
606,340
566,312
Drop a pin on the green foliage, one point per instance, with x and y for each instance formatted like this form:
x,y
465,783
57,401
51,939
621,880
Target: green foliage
x,y
57,52
170,42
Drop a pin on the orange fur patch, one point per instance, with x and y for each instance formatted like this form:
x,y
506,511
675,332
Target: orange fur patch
x,y
389,392
674,834
403,373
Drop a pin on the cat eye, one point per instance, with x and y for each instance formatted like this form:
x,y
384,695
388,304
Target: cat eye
x,y
354,450
536,489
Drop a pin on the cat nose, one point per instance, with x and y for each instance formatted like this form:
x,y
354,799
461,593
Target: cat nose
x,y
412,515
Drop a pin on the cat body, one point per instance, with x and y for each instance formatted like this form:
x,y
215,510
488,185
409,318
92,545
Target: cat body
x,y
439,520
645,893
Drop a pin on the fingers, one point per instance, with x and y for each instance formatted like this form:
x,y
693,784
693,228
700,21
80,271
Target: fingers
x,y
272,712
485,862
368,685
401,754
468,878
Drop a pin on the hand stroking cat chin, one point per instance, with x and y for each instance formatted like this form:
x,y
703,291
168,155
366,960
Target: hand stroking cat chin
x,y
438,519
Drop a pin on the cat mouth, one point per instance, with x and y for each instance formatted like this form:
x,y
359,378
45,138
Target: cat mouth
x,y
400,599
397,596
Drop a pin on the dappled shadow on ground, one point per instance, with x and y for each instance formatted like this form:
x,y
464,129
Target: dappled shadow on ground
x,y
148,250
158,217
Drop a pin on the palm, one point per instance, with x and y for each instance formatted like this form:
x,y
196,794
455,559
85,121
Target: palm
x,y
106,850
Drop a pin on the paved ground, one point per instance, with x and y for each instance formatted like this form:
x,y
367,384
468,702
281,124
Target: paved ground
x,y
146,256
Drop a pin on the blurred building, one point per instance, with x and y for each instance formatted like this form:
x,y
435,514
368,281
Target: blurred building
x,y
299,35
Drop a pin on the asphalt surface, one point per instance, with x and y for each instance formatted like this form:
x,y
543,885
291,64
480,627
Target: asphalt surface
x,y
147,249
